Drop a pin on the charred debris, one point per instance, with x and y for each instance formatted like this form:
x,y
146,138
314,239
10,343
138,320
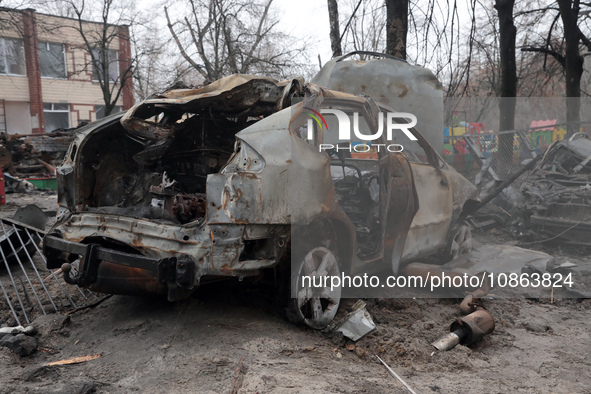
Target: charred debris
x,y
26,156
154,163
547,200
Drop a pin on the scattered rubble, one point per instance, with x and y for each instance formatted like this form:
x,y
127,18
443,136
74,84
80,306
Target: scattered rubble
x,y
536,326
29,330
48,324
501,259
356,324
34,155
17,185
558,193
29,160
550,203
21,344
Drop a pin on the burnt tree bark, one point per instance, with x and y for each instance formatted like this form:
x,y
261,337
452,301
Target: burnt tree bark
x,y
508,86
573,61
335,35
396,27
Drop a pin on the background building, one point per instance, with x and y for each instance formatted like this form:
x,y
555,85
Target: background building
x,y
47,78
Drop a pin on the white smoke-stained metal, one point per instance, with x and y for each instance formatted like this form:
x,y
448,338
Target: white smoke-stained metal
x,y
393,82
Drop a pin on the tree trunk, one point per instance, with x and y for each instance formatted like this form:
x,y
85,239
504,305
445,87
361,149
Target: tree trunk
x,y
569,12
396,27
335,35
508,88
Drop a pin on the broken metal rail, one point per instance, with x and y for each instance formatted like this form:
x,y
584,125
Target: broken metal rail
x,y
28,288
499,163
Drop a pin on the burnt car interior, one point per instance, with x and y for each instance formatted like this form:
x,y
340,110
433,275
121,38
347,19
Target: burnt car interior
x,y
356,171
355,177
128,174
358,194
562,175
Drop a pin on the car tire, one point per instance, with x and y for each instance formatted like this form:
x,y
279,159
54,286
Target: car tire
x,y
461,243
312,305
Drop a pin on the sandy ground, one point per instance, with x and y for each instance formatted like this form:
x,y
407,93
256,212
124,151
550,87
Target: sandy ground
x,y
229,338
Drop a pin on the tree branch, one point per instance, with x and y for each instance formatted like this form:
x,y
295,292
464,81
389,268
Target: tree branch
x,y
180,46
559,58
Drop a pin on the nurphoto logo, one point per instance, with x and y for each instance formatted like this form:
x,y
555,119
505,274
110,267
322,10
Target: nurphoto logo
x,y
393,122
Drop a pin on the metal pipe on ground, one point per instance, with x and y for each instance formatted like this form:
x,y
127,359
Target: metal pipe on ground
x,y
467,330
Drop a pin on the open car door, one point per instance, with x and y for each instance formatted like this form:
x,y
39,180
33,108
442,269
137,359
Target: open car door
x,y
399,204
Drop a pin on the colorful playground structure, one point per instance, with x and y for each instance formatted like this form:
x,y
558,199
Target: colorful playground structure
x,y
541,134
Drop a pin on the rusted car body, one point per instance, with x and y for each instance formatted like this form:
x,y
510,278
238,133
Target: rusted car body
x,y
198,183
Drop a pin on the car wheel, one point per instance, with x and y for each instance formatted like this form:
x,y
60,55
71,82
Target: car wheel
x,y
315,304
461,243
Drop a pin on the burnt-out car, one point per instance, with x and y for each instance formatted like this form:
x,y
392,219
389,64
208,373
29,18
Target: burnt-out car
x,y
228,181
557,193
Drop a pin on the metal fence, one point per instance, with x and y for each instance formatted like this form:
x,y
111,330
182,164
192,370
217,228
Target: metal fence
x,y
28,288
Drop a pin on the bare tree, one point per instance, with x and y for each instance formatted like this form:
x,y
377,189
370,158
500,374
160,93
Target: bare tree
x,y
157,64
397,27
111,24
564,46
101,25
335,35
537,74
221,37
573,61
430,37
10,20
508,88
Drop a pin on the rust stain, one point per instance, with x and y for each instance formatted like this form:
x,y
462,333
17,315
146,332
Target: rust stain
x,y
226,268
212,244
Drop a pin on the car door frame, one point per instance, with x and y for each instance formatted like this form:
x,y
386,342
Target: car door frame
x,y
438,173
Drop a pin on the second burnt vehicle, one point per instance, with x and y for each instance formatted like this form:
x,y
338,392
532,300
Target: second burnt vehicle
x,y
193,184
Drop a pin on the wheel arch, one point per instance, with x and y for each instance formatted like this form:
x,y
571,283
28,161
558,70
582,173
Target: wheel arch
x,y
336,233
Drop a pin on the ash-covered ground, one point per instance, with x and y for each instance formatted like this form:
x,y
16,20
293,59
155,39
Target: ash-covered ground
x,y
230,338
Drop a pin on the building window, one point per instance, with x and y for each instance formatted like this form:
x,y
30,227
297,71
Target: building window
x,y
112,59
100,110
57,116
52,60
12,56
